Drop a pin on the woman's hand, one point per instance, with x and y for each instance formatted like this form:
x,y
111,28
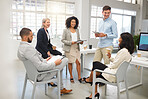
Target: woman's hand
x,y
109,55
54,47
73,42
48,53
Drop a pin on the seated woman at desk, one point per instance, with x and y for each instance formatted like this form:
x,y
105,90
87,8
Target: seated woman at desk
x,y
71,47
126,48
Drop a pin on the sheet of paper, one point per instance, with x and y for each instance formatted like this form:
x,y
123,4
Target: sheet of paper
x,y
54,58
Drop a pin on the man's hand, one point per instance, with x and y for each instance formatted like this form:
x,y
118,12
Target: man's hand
x,y
58,62
81,42
97,35
73,42
100,35
54,47
48,53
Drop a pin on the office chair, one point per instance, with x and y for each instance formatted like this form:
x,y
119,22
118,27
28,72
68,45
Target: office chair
x,y
32,74
120,77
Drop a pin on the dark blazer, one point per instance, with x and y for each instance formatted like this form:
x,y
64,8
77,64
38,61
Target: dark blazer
x,y
43,44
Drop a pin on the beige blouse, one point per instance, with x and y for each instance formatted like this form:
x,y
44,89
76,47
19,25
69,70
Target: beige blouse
x,y
122,55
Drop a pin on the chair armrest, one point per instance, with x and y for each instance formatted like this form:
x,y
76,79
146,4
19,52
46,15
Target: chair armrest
x,y
45,72
96,70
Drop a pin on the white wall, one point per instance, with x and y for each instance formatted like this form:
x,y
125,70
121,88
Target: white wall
x,y
85,18
144,27
7,83
147,10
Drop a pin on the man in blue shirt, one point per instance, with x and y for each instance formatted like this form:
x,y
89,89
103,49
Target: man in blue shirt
x,y
107,32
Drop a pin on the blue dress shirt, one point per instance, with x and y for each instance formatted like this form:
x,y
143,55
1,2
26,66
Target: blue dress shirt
x,y
109,27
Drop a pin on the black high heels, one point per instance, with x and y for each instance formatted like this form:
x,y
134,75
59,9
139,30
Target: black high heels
x,y
52,84
97,95
86,81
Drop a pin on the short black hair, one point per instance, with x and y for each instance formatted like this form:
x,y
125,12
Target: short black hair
x,y
127,42
25,32
68,22
106,8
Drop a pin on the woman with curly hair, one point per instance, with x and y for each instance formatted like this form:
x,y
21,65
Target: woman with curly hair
x,y
71,47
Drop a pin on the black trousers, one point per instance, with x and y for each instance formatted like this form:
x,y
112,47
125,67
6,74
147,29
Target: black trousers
x,y
55,52
100,66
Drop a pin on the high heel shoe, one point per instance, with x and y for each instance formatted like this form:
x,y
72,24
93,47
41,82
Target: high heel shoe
x,y
97,95
52,84
86,81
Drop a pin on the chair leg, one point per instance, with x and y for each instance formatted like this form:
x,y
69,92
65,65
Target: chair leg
x,y
34,87
25,83
46,91
126,89
118,91
66,70
58,81
105,89
93,89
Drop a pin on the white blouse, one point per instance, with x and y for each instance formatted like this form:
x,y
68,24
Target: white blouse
x,y
74,36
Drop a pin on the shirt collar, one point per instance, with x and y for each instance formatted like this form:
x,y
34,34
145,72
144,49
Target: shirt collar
x,y
106,19
23,42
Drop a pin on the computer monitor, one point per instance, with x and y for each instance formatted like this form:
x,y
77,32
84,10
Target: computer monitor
x,y
143,44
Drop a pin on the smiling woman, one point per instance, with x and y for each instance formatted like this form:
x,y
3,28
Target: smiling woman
x,y
44,45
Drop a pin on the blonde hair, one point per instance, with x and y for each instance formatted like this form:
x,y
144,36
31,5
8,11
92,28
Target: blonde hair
x,y
43,21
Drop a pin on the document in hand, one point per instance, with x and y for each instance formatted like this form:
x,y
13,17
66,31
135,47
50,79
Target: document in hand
x,y
95,32
54,58
79,41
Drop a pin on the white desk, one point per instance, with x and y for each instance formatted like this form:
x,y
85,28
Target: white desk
x,y
140,61
83,53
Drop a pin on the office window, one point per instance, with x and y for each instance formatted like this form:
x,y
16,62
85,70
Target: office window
x,y
41,5
126,24
69,8
29,13
39,20
128,1
134,1
16,23
96,16
17,4
30,5
30,21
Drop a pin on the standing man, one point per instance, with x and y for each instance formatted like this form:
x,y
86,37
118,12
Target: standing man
x,y
107,32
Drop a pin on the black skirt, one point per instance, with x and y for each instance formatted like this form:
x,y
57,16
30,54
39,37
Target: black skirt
x,y
100,66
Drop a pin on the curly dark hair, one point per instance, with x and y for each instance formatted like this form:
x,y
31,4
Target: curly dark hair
x,y
68,22
127,42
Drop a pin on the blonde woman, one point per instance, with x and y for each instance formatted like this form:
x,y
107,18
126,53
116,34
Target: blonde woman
x,y
71,48
43,42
